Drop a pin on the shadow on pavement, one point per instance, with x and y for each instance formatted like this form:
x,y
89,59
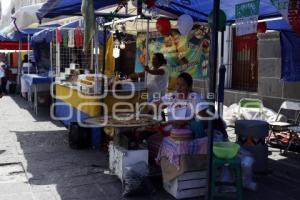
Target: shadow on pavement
x,y
76,174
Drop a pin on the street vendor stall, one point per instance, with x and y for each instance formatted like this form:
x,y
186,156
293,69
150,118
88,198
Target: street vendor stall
x,y
83,105
187,50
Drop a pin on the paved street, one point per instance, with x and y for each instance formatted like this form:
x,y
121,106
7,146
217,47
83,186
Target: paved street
x,y
36,163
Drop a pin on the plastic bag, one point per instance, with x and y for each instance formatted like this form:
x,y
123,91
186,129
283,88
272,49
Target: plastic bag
x,y
135,181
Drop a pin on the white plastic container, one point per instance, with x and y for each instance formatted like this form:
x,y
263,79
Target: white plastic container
x,y
120,157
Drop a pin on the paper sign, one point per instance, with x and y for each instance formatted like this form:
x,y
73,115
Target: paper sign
x,y
246,15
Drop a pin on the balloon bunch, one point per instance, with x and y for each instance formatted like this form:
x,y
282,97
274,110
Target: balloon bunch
x,y
185,24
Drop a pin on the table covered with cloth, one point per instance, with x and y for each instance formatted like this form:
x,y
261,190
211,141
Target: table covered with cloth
x,y
173,149
34,83
29,80
32,79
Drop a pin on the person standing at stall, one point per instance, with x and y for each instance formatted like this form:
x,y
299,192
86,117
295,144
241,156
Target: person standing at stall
x,y
26,69
157,77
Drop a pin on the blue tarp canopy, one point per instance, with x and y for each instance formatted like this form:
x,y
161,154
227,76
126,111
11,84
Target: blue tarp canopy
x,y
47,35
16,36
3,37
200,9
278,25
55,8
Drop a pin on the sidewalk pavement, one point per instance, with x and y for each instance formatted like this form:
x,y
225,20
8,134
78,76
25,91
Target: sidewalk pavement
x,y
36,163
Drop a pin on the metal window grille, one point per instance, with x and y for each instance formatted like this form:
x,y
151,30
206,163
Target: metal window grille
x,y
62,56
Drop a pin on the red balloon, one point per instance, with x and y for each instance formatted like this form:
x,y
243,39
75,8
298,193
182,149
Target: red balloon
x,y
261,27
163,25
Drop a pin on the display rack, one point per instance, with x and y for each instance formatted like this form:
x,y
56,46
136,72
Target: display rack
x,y
65,55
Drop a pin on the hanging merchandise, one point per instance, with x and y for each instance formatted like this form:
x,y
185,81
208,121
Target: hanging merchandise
x,y
64,38
58,36
78,38
185,24
222,20
110,61
261,27
163,25
71,42
246,15
294,15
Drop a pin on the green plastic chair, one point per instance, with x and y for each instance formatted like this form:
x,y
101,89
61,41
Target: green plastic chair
x,y
250,103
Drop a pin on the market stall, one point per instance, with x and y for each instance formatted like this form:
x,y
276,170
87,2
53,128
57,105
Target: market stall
x,y
180,47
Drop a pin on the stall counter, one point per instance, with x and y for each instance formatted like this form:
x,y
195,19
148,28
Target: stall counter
x,y
87,104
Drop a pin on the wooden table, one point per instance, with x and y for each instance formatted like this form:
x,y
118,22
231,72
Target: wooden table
x,y
122,121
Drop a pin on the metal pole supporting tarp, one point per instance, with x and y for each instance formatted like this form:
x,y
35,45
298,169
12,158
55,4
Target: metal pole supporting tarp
x,y
51,61
57,56
96,67
19,63
213,62
104,51
28,41
147,50
221,78
103,65
222,72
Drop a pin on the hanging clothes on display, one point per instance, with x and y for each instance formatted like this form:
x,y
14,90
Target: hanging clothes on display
x,y
64,38
110,60
78,38
58,36
71,42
